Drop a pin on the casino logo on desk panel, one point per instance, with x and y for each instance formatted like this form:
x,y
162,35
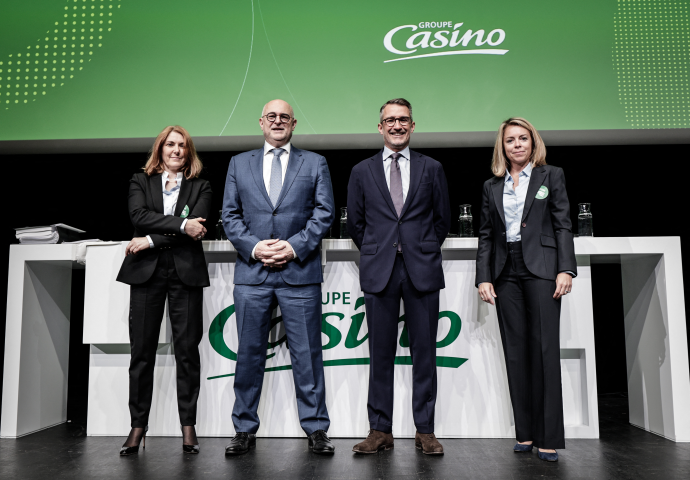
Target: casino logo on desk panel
x,y
343,329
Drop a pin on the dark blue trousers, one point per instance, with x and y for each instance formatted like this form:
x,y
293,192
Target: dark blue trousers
x,y
421,317
300,307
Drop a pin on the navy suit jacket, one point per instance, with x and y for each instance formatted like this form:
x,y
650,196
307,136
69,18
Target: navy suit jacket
x,y
422,227
302,216
546,230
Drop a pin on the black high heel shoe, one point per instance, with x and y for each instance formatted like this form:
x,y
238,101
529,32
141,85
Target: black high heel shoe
x,y
124,451
188,448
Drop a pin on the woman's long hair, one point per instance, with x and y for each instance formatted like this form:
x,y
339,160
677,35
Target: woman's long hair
x,y
192,166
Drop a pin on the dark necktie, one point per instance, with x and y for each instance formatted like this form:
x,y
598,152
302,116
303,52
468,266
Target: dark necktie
x,y
396,183
396,188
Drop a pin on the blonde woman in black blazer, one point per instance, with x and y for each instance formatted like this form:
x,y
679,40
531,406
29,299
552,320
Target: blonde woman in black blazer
x,y
525,264
168,205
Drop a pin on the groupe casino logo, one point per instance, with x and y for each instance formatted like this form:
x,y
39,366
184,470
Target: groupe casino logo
x,y
337,333
433,39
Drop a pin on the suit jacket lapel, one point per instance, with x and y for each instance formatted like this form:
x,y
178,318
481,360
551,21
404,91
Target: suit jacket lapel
x,y
294,164
156,188
376,167
183,197
256,165
497,189
538,177
416,170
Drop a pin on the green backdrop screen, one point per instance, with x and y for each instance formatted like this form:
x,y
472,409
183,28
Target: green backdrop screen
x,y
85,69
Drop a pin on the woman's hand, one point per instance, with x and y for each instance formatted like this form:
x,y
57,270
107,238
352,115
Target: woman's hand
x,y
564,284
487,293
136,245
195,229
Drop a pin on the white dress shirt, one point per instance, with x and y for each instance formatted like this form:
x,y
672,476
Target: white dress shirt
x,y
268,163
267,166
170,201
404,162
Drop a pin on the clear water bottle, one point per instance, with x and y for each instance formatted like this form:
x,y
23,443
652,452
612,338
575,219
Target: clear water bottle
x,y
584,220
343,223
220,231
466,229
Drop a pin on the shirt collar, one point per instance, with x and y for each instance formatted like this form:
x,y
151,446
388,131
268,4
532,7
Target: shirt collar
x,y
526,172
387,152
268,147
165,177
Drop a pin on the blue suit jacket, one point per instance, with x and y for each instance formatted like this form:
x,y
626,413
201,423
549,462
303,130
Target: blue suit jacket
x,y
302,216
422,227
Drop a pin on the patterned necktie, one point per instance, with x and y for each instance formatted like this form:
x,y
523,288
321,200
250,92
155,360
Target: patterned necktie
x,y
396,188
276,183
396,183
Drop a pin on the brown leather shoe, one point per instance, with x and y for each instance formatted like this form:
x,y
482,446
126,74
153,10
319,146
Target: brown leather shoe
x,y
428,444
374,442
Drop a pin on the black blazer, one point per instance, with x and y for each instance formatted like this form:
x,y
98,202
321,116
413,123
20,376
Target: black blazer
x,y
546,230
422,227
146,213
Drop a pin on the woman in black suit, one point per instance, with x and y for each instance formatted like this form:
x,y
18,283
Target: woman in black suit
x,y
525,264
168,205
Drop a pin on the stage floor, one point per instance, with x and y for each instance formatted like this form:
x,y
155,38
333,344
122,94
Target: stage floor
x,y
622,452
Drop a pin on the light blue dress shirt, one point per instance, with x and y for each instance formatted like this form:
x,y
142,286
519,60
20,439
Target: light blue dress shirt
x,y
514,202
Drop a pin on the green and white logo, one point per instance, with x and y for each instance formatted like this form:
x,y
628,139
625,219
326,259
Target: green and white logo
x,y
185,212
445,41
347,342
542,193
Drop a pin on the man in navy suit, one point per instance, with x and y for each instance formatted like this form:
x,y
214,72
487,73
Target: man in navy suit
x,y
398,216
277,207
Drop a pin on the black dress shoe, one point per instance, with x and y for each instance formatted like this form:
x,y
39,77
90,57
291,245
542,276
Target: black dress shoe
x,y
189,448
125,451
241,443
320,443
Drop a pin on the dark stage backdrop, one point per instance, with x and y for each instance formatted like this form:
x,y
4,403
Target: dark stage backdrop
x,y
631,195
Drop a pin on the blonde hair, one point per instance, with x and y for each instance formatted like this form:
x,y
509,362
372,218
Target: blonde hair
x,y
192,167
500,164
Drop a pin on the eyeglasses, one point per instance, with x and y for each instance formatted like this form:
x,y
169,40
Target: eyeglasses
x,y
390,121
272,117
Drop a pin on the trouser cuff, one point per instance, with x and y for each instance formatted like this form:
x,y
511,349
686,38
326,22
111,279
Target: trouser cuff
x,y
381,427
425,428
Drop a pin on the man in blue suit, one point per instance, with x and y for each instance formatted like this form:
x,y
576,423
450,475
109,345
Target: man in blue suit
x,y
278,205
398,214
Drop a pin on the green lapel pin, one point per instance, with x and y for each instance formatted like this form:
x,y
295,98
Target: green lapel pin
x,y
542,193
185,212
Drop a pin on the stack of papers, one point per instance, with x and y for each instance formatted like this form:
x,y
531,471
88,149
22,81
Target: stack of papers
x,y
46,234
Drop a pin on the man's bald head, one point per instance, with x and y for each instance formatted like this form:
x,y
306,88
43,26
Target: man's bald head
x,y
277,104
277,132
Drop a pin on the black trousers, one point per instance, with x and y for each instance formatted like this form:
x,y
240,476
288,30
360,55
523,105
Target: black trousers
x,y
421,317
529,320
147,304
